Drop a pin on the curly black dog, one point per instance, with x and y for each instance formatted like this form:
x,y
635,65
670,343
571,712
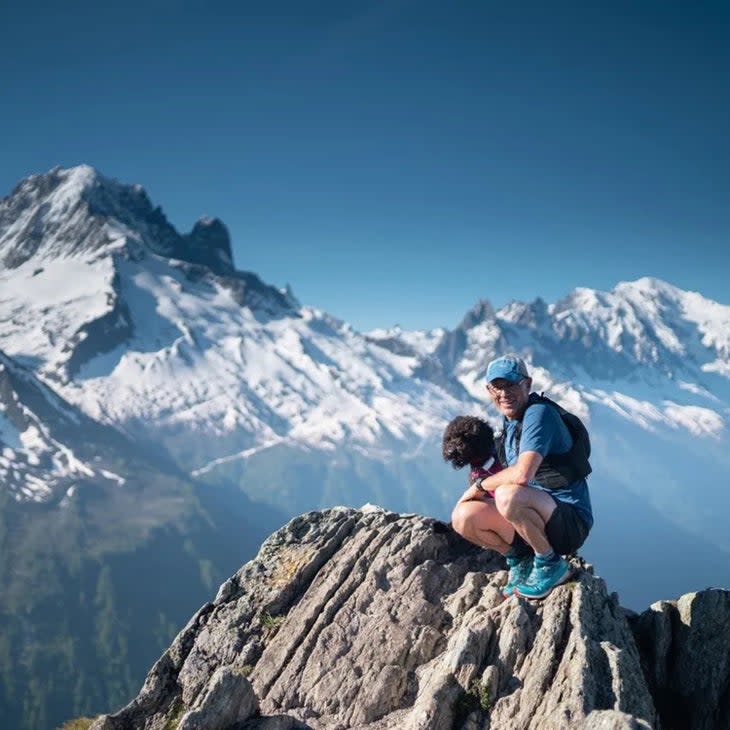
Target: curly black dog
x,y
468,441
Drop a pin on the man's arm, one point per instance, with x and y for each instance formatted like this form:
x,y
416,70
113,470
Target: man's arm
x,y
525,469
520,473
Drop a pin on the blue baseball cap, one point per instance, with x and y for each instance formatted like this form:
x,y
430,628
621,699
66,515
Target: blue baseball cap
x,y
507,367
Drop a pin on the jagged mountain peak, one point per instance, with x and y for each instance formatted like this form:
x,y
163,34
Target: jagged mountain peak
x,y
60,190
78,212
646,322
89,267
81,177
528,314
59,181
482,311
581,297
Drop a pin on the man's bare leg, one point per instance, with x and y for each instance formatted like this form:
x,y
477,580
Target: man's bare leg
x,y
480,522
528,511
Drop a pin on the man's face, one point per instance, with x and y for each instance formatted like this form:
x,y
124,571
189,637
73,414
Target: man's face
x,y
510,398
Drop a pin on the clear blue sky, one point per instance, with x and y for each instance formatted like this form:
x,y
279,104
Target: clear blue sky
x,y
396,161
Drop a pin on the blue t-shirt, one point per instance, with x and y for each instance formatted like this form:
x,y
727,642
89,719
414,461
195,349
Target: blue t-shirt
x,y
543,431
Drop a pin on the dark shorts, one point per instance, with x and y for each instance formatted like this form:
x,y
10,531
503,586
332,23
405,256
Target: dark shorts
x,y
565,530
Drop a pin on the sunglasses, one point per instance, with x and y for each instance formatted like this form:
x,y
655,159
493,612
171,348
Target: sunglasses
x,y
506,386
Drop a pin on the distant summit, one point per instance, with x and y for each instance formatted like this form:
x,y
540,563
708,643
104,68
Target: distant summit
x,y
80,212
73,246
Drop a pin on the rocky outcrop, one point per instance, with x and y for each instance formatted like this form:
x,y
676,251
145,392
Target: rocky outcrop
x,y
685,651
369,619
209,244
100,335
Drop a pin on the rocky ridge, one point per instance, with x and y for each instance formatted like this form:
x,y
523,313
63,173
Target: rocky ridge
x,y
81,212
370,619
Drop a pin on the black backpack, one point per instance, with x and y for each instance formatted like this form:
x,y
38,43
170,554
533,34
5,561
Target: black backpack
x,y
558,470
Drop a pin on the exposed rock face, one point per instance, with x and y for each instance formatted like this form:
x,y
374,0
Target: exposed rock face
x,y
369,619
685,651
209,244
100,335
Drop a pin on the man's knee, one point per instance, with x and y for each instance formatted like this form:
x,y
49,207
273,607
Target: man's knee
x,y
514,500
457,518
460,518
507,500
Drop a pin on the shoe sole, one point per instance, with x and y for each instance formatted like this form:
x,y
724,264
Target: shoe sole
x,y
571,572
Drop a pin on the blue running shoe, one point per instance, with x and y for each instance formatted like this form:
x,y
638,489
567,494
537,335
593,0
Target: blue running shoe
x,y
543,578
519,570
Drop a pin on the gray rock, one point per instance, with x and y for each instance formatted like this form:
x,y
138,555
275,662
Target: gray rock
x,y
369,619
274,722
685,650
614,720
228,699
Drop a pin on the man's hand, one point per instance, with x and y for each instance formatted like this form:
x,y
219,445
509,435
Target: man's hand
x,y
473,494
520,473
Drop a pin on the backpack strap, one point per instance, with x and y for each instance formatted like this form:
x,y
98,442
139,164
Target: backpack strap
x,y
499,441
556,470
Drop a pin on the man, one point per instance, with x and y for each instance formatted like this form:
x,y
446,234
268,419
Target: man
x,y
541,509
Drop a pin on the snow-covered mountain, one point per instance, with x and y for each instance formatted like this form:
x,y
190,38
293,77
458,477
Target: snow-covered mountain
x,y
157,334
157,405
138,333
35,463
